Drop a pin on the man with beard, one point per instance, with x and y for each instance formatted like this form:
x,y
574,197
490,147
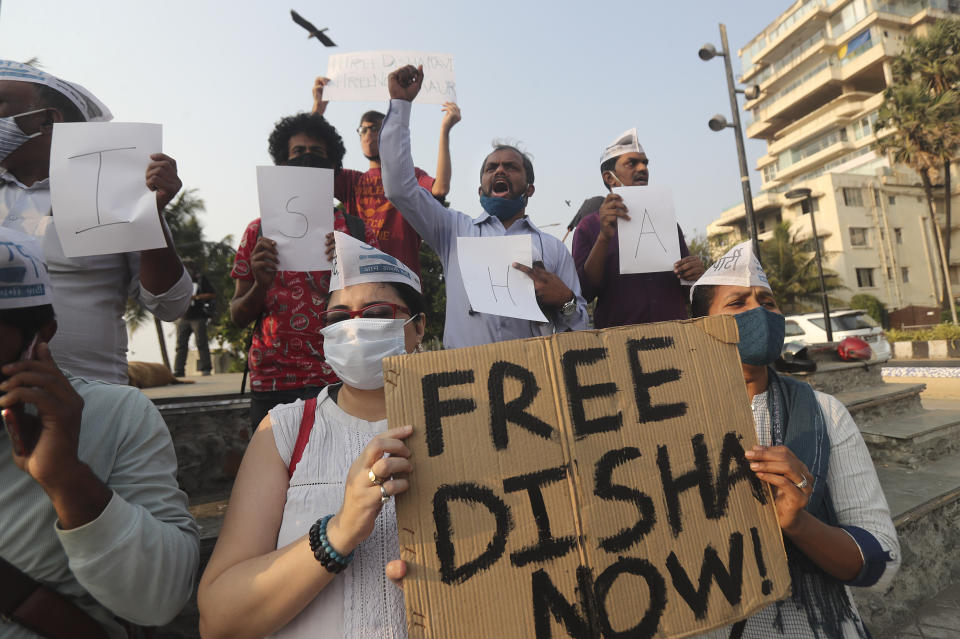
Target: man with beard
x,y
91,292
506,183
362,192
96,533
635,298
286,353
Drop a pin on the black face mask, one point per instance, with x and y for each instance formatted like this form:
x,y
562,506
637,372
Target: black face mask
x,y
312,160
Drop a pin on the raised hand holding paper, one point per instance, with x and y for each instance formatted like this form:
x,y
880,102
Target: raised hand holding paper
x,y
362,77
493,285
296,212
98,187
648,241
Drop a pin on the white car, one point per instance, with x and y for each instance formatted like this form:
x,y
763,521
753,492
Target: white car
x,y
809,328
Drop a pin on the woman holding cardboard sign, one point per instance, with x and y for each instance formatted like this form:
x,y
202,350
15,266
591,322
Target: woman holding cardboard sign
x,y
834,517
313,497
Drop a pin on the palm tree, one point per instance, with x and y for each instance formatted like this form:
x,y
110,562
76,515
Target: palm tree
x,y
791,267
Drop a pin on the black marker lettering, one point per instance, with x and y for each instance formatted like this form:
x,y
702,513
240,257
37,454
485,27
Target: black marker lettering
x,y
647,626
547,546
513,411
643,382
548,601
729,581
450,572
701,476
579,393
605,489
434,410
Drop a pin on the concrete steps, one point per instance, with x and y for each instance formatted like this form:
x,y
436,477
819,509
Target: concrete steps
x,y
872,404
837,377
913,439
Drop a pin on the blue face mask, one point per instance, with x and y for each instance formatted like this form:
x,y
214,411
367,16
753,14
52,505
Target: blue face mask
x,y
501,207
761,336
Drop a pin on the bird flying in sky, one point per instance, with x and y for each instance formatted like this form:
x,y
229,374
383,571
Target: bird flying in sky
x,y
312,30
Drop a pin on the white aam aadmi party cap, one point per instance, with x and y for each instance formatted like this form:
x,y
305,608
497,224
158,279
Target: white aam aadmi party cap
x,y
738,267
24,280
626,142
93,110
357,263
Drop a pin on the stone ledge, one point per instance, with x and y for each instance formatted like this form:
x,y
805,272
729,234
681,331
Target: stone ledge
x,y
932,349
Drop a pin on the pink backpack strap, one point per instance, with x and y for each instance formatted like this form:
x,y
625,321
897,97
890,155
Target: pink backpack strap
x,y
303,435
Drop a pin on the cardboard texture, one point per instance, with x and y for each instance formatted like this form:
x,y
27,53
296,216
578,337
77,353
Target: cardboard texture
x,y
583,485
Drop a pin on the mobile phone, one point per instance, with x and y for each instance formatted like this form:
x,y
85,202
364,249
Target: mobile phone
x,y
22,421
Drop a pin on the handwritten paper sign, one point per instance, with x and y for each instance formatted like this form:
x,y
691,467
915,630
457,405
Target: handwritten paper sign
x,y
493,286
98,187
296,211
586,484
648,241
362,77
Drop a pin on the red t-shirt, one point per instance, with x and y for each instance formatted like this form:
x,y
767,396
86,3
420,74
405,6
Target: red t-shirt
x,y
287,350
362,194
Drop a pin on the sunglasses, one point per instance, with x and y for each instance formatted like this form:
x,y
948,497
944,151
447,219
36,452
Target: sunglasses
x,y
380,310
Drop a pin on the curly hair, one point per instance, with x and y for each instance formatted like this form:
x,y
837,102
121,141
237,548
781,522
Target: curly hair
x,y
314,125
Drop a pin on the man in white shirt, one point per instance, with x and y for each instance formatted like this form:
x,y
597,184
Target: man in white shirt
x,y
90,292
96,534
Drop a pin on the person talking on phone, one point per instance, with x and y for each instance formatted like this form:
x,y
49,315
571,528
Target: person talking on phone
x,y
95,538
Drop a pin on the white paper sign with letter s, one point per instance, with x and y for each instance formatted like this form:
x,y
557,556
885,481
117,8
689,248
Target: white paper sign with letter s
x,y
648,241
296,212
493,285
98,187
362,77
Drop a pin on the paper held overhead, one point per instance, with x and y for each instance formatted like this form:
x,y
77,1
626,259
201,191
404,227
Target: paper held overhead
x,y
98,187
493,285
362,77
296,211
648,241
586,484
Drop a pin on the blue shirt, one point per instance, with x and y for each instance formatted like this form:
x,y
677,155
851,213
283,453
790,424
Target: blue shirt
x,y
440,227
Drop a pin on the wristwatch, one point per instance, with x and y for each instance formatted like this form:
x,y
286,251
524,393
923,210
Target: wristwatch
x,y
569,308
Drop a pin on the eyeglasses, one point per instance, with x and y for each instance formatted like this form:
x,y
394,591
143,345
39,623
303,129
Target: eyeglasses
x,y
363,130
380,310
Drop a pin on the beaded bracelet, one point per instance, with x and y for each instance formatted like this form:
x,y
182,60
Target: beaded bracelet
x,y
328,557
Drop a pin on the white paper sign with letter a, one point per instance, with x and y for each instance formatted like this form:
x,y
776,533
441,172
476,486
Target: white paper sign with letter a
x,y
648,241
98,187
296,212
493,285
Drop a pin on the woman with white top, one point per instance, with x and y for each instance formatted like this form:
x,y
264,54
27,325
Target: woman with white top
x,y
311,524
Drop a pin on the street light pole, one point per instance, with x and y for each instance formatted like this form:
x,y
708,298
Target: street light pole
x,y
808,205
718,123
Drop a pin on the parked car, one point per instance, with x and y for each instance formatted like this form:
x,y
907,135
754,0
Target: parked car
x,y
810,328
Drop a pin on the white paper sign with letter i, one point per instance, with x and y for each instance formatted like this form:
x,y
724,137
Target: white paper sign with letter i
x,y
648,240
493,285
98,188
296,212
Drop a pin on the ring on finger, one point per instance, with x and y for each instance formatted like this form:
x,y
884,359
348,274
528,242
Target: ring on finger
x,y
384,495
374,480
803,483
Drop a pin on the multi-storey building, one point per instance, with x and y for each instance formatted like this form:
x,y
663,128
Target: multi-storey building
x,y
822,67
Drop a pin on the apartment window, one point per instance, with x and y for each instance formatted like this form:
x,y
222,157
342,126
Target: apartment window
x,y
761,226
852,196
889,272
865,277
892,200
898,235
904,274
858,236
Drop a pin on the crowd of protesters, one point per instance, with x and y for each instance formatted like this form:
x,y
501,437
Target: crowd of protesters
x,y
96,539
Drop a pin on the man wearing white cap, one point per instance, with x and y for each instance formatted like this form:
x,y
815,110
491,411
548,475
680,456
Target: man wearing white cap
x,y
506,184
96,535
624,299
91,292
832,512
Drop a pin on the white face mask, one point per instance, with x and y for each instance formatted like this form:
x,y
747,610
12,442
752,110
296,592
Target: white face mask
x,y
12,136
355,348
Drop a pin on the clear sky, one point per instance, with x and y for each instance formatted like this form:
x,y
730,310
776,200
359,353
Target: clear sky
x,y
561,78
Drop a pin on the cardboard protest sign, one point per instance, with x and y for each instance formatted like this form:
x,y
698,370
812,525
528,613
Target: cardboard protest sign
x,y
362,77
98,188
648,241
296,211
582,485
493,285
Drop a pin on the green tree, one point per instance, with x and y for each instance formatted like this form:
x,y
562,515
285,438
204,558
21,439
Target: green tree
x,y
435,293
872,305
791,267
708,249
921,108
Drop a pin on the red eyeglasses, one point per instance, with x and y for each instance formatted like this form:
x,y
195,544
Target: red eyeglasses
x,y
380,310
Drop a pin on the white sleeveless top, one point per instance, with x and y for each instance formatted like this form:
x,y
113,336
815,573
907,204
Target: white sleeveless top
x,y
360,602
